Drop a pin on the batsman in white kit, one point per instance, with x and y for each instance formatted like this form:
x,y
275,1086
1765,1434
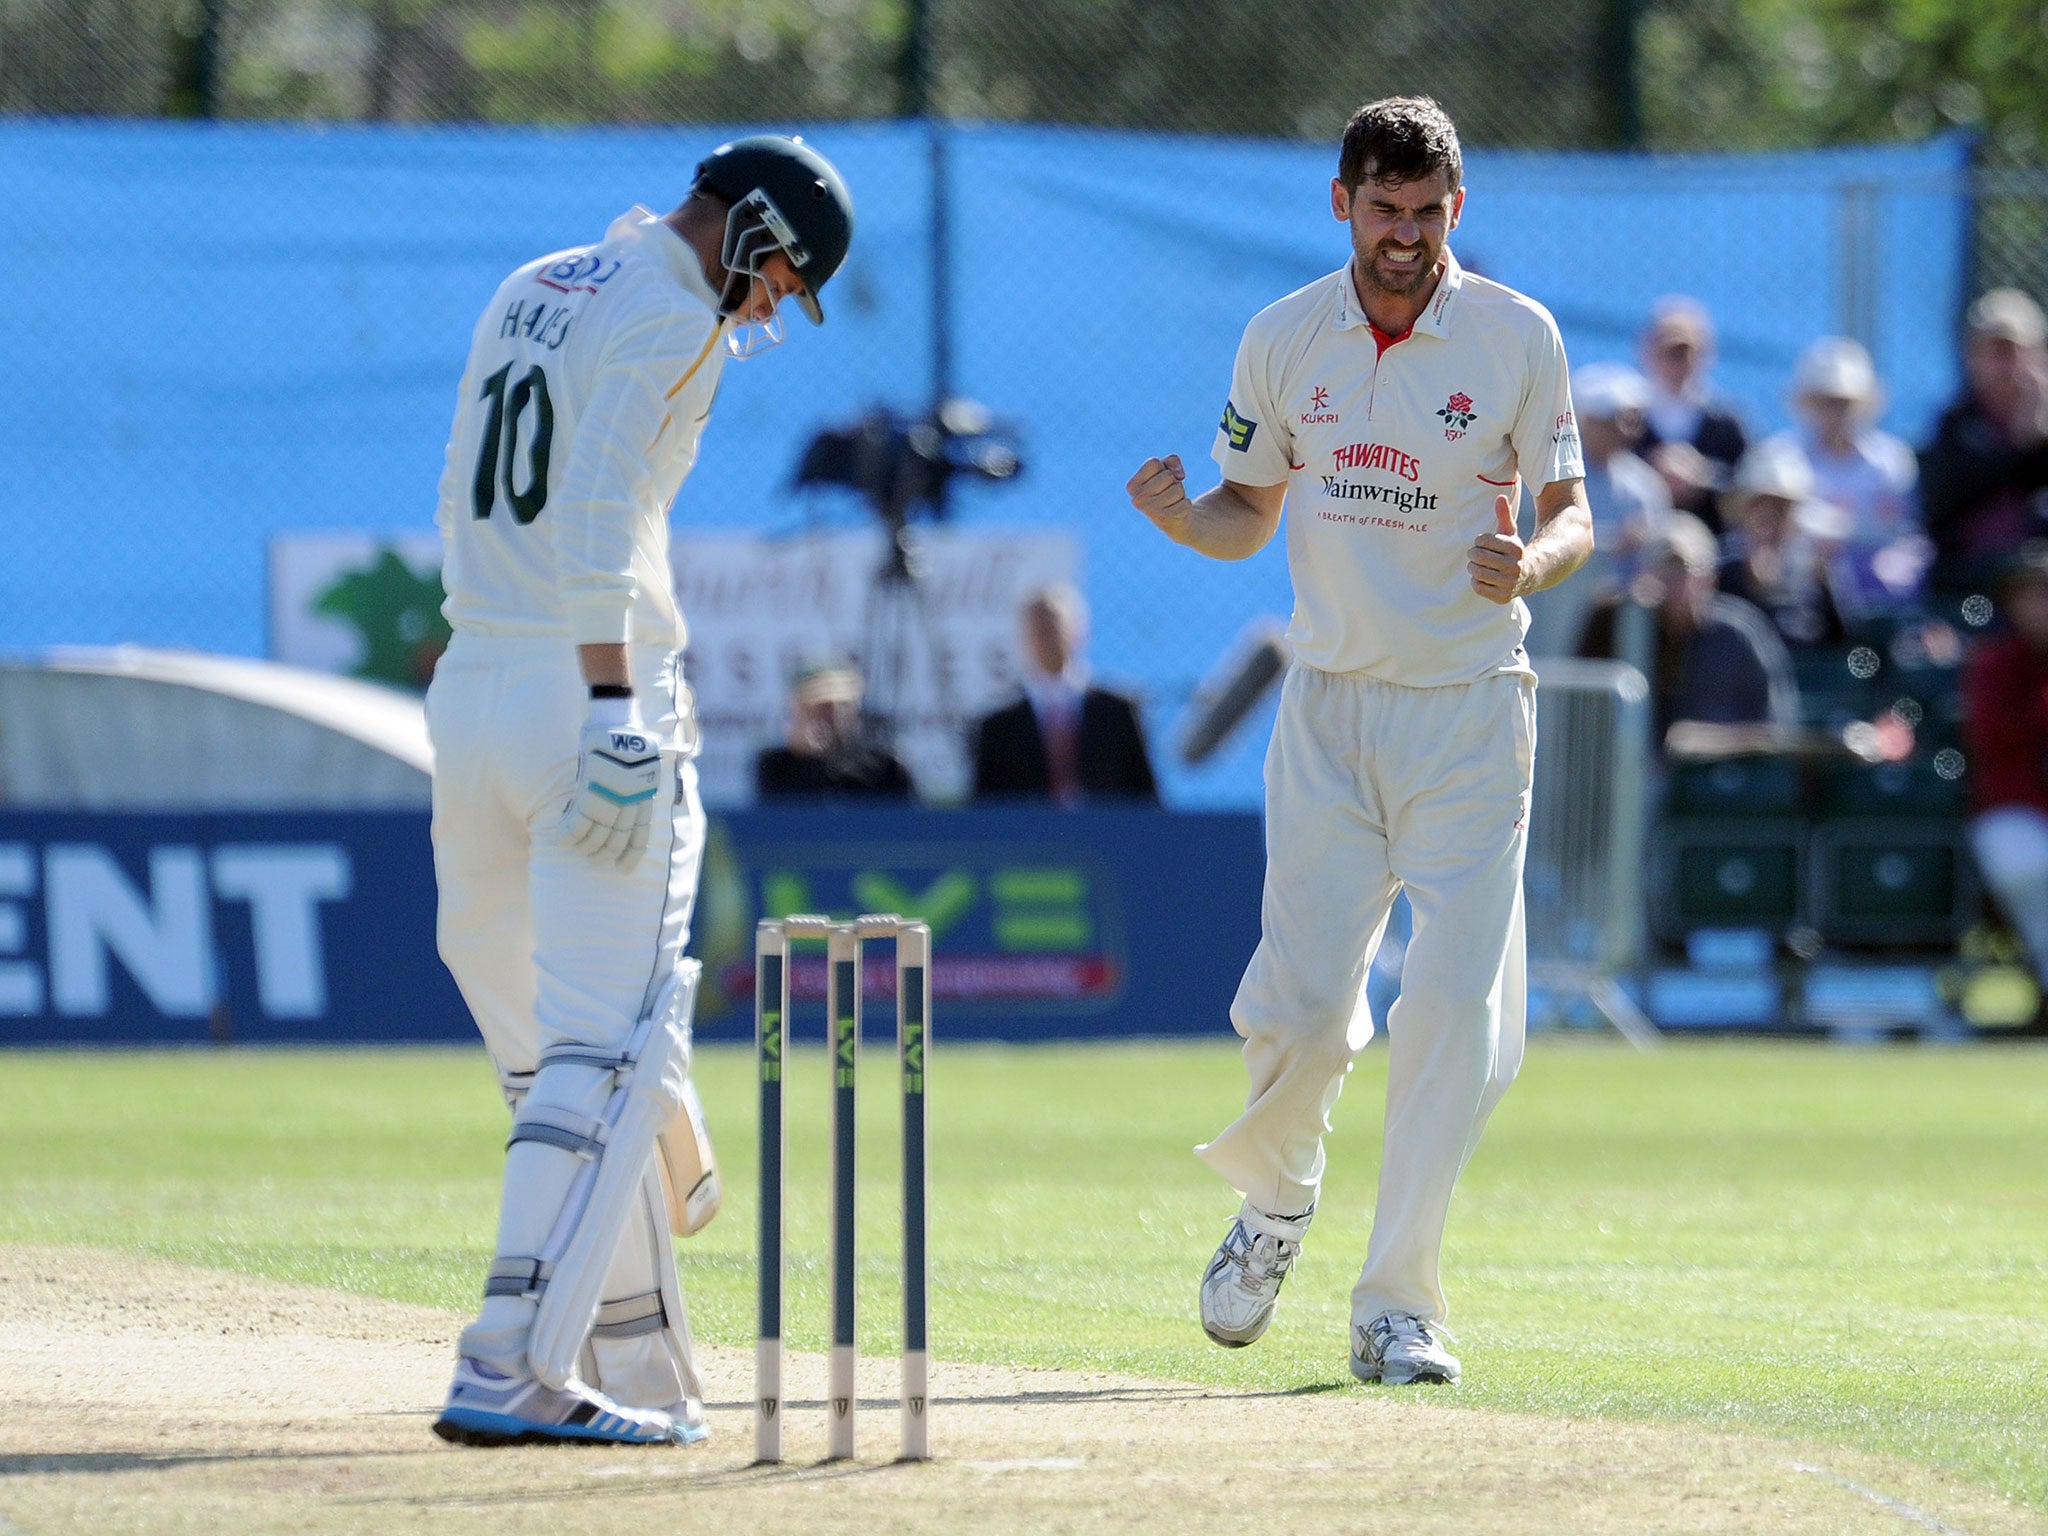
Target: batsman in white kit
x,y
1396,407
567,828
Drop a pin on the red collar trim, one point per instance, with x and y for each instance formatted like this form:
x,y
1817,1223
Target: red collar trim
x,y
1385,340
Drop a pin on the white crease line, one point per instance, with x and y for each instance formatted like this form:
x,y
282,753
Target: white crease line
x,y
1026,1464
1898,1507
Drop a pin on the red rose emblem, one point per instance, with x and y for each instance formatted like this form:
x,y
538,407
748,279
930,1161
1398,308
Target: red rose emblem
x,y
1461,402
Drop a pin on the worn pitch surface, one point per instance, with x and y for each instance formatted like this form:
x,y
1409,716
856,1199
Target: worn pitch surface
x,y
146,1396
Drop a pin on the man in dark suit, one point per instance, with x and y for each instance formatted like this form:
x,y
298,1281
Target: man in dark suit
x,y
1692,436
1065,740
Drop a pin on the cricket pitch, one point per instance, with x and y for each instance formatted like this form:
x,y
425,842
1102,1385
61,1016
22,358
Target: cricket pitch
x,y
144,1396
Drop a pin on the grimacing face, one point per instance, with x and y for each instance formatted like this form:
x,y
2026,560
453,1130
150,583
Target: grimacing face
x,y
1398,229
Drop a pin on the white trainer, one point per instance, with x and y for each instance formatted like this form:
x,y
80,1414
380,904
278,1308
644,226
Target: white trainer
x,y
1398,1348
487,1407
1242,1283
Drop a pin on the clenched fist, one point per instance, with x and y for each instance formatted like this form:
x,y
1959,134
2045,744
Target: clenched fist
x,y
1158,490
1495,561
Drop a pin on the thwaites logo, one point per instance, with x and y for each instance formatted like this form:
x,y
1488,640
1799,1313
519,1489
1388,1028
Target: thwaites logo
x,y
1318,412
1378,456
1458,415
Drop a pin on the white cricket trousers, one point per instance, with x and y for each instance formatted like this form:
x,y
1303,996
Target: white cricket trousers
x,y
550,947
1371,788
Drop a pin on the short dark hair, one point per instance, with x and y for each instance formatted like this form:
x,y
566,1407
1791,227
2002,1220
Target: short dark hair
x,y
1400,139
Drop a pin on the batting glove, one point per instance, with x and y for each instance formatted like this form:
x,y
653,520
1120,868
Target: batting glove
x,y
618,774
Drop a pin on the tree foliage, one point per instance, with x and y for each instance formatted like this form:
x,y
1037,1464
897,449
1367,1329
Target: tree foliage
x,y
1709,73
1777,73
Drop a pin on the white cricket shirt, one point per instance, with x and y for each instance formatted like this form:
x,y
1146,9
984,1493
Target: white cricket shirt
x,y
1392,451
589,381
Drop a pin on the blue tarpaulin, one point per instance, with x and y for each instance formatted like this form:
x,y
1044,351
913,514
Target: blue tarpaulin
x,y
222,332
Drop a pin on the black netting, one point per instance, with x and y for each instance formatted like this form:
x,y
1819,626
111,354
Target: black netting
x,y
1528,75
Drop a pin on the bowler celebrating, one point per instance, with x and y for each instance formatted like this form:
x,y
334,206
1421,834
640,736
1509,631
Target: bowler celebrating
x,y
1397,407
567,829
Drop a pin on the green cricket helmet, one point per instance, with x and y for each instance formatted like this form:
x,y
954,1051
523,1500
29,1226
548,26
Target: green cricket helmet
x,y
785,196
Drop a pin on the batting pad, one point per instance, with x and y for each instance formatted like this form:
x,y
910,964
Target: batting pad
x,y
639,1349
648,1083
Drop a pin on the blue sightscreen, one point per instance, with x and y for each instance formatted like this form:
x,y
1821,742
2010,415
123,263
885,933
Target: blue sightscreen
x,y
225,332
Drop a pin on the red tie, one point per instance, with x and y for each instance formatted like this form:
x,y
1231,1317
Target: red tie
x,y
1062,751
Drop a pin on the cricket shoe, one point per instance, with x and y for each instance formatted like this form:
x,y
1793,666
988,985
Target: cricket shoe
x,y
1242,1283
488,1407
1398,1348
688,1418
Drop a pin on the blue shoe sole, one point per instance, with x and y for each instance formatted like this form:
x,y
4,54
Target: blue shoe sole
x,y
477,1426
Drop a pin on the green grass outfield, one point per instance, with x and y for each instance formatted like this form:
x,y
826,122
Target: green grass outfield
x,y
1845,1246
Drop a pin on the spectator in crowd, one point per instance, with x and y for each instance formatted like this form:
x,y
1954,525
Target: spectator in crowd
x,y
1772,558
2006,729
1693,438
1983,478
1065,740
1711,658
1629,501
827,755
1867,476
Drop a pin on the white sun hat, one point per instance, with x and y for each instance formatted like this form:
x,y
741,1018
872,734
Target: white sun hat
x,y
1837,368
1602,391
